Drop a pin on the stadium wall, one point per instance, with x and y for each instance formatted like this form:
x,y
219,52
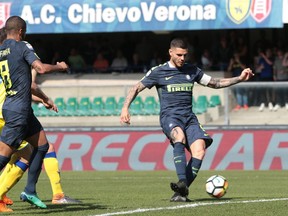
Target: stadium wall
x,y
114,149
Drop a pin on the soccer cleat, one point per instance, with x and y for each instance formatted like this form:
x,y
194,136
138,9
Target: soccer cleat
x,y
180,187
178,198
7,200
32,199
62,199
4,208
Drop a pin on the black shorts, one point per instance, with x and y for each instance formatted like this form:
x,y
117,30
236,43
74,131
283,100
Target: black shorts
x,y
191,127
18,127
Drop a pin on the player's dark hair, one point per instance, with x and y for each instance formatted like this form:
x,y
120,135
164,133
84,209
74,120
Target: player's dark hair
x,y
178,43
15,23
3,35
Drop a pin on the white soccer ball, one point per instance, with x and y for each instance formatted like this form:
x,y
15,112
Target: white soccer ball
x,y
216,186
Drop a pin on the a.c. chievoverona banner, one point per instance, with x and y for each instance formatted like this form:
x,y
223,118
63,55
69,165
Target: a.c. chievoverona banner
x,y
76,16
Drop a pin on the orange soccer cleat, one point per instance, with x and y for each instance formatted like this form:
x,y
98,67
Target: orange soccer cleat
x,y
7,200
4,208
62,199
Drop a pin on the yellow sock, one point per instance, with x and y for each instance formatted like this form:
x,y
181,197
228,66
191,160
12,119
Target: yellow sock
x,y
12,176
53,173
8,167
4,172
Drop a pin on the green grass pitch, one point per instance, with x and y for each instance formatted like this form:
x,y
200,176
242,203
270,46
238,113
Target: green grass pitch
x,y
147,193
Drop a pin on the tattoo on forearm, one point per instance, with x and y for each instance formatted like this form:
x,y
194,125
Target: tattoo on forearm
x,y
133,92
223,82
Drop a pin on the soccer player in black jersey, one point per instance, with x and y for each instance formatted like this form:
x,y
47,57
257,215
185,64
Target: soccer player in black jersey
x,y
174,82
16,59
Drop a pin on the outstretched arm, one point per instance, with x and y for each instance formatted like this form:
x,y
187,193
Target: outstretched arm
x,y
46,68
133,92
225,82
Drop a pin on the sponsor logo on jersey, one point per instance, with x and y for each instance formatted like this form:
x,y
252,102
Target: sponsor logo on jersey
x,y
260,9
238,10
180,87
4,12
168,78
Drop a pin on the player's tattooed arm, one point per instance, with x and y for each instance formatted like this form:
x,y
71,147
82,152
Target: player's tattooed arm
x,y
223,82
245,75
133,92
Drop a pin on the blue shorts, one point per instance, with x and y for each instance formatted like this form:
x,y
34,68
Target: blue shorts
x,y
18,127
190,126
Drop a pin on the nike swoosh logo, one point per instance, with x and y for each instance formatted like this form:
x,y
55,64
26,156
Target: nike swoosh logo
x,y
167,78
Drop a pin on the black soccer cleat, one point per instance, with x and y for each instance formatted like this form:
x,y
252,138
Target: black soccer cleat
x,y
178,198
180,188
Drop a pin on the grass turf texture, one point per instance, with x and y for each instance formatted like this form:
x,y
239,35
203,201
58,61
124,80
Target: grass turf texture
x,y
110,192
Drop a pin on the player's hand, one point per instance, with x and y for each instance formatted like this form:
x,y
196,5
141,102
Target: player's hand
x,y
49,104
125,117
246,74
63,65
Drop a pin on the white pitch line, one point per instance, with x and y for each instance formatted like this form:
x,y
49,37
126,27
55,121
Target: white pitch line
x,y
192,205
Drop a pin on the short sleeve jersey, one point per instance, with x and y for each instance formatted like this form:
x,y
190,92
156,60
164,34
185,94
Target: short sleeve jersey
x,y
174,87
16,59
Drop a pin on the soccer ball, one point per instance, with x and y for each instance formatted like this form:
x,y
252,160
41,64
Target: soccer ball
x,y
216,186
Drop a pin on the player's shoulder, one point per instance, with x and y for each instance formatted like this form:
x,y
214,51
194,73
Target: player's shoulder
x,y
191,68
22,45
156,71
159,68
26,44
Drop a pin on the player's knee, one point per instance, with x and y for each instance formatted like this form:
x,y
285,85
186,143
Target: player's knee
x,y
199,154
198,149
177,135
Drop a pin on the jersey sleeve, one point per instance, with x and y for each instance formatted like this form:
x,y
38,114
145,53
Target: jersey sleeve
x,y
150,79
29,53
202,78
